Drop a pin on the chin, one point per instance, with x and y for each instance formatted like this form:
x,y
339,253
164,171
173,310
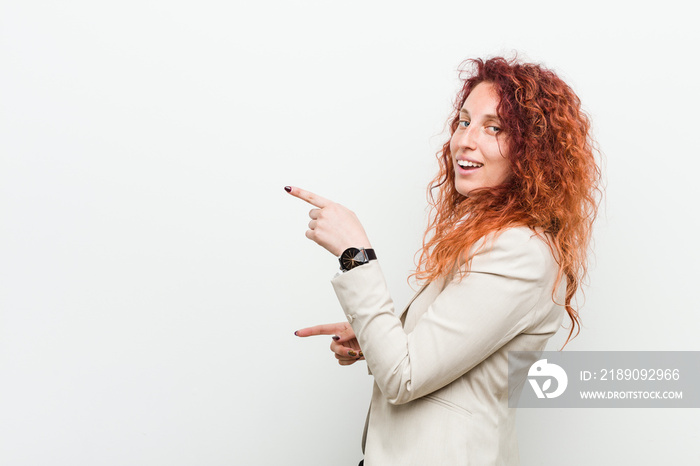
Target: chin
x,y
463,190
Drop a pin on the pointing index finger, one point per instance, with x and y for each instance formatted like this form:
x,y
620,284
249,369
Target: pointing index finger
x,y
325,329
308,196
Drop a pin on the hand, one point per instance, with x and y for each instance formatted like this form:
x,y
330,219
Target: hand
x,y
345,345
332,226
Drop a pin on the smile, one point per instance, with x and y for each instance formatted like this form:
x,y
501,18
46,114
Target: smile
x,y
467,165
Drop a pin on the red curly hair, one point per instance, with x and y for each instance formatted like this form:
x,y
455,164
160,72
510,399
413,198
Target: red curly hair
x,y
554,185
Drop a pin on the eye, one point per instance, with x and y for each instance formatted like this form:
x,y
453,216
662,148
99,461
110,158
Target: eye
x,y
463,123
493,129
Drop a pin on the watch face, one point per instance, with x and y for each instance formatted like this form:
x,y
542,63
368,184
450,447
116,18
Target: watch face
x,y
351,258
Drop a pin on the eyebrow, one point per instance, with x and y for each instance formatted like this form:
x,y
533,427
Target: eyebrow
x,y
486,117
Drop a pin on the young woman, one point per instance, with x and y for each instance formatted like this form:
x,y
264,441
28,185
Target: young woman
x,y
503,256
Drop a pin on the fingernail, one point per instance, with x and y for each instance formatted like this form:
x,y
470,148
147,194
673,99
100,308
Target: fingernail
x,y
352,353
361,355
295,333
336,337
288,189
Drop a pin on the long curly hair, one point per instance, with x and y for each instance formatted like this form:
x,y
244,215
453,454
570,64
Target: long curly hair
x,y
554,187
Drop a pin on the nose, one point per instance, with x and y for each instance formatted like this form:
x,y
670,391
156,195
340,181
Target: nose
x,y
466,137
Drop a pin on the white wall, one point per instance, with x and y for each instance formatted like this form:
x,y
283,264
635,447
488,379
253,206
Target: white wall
x,y
153,271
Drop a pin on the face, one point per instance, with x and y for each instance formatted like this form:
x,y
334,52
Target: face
x,y
477,144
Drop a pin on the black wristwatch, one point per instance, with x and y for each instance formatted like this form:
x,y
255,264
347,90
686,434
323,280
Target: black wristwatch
x,y
354,257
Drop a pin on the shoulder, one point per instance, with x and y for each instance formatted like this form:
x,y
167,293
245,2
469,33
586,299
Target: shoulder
x,y
514,251
520,238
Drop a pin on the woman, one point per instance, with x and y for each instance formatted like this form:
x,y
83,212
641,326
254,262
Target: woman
x,y
503,256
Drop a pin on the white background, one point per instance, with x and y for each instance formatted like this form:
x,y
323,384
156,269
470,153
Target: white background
x,y
153,271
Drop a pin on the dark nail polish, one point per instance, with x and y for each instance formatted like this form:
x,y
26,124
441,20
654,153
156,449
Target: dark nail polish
x,y
288,189
336,337
352,353
295,333
361,354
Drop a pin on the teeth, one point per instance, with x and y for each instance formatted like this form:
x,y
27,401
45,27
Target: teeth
x,y
466,163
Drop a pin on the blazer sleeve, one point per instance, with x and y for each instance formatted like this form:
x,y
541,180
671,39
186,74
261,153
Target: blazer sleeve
x,y
469,320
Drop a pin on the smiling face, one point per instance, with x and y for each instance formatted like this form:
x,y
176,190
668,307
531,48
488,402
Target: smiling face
x,y
477,144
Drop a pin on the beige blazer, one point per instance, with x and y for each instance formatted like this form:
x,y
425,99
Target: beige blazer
x,y
440,367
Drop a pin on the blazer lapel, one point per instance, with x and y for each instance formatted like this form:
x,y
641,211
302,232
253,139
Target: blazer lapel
x,y
422,288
